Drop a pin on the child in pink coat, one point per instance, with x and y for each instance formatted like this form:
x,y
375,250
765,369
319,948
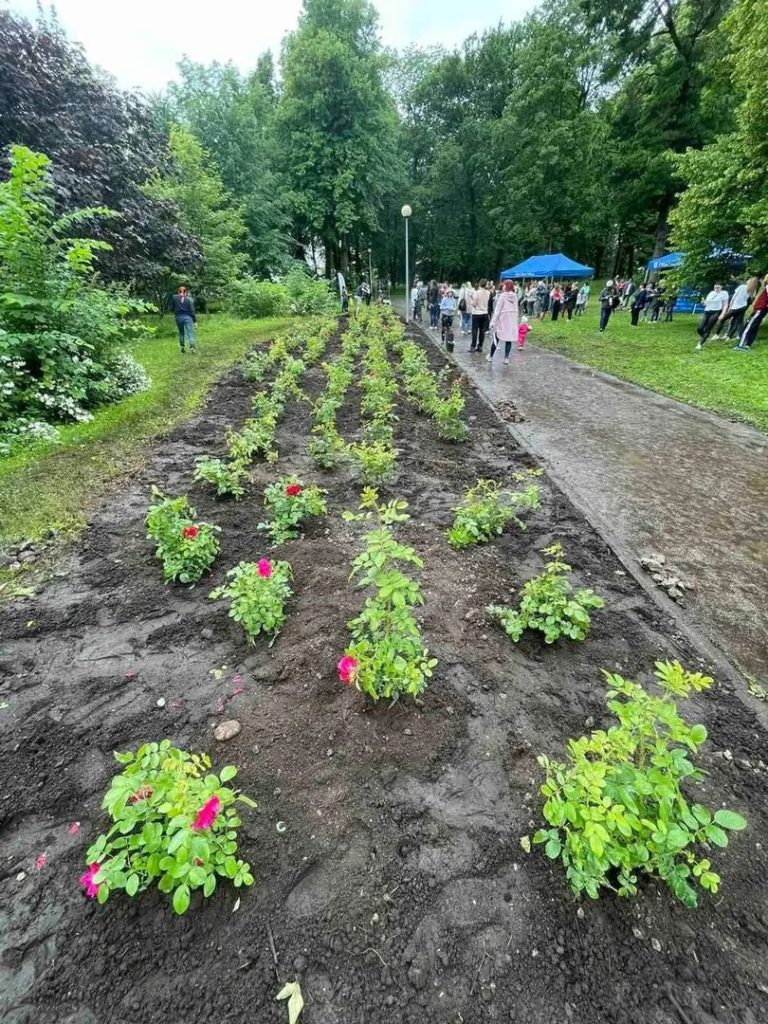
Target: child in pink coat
x,y
522,333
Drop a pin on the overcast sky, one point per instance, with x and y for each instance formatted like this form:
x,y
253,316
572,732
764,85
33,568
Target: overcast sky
x,y
141,41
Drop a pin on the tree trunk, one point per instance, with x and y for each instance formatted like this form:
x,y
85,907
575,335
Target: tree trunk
x,y
662,226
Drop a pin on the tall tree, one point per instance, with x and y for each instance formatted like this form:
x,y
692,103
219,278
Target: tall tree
x,y
232,115
662,58
337,126
102,142
725,205
206,212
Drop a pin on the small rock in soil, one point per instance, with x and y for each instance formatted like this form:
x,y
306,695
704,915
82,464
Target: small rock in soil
x,y
656,945
206,634
161,702
226,730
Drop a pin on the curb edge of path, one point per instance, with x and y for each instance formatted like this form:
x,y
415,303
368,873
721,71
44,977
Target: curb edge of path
x,y
726,671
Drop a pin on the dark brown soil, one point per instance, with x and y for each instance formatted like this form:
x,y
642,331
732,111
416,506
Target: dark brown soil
x,y
399,891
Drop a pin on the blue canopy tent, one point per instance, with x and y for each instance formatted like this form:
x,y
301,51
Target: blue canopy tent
x,y
666,262
553,264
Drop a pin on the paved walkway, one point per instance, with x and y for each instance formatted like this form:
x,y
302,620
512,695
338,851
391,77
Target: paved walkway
x,y
660,475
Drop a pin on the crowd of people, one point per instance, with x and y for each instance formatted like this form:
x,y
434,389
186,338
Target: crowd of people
x,y
729,315
502,312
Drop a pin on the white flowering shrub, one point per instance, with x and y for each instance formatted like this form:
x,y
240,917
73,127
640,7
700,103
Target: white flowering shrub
x,y
124,376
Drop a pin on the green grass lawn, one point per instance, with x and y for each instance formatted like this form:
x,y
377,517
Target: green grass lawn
x,y
52,486
662,357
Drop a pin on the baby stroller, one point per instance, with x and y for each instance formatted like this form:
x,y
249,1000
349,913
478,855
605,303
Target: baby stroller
x,y
446,331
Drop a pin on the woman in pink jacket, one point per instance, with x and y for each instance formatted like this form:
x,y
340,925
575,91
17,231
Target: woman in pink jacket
x,y
504,323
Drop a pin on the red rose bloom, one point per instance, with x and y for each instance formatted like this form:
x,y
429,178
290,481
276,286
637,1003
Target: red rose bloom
x,y
293,490
190,532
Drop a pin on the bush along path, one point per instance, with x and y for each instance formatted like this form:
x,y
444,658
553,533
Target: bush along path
x,y
400,862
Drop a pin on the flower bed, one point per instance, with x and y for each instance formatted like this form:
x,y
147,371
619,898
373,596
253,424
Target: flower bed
x,y
386,851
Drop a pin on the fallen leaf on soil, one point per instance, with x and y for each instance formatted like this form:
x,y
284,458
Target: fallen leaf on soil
x,y
41,861
292,992
525,842
74,828
237,905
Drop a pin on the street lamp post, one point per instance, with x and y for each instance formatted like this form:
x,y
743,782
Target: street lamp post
x,y
370,272
406,212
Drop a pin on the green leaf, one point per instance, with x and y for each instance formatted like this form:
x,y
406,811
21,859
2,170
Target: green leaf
x,y
730,820
292,992
228,772
698,734
716,835
181,899
552,849
132,885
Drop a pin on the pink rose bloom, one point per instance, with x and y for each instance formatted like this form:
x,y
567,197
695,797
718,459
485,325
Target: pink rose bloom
x,y
265,568
207,814
347,669
86,880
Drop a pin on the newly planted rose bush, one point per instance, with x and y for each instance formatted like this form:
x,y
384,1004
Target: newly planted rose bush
x,y
290,503
174,824
485,511
387,655
550,604
618,807
227,476
186,547
257,593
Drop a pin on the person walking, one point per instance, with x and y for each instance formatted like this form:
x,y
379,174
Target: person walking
x,y
759,312
556,297
608,297
581,300
479,305
570,298
522,333
504,323
433,302
715,304
542,300
669,307
658,304
183,308
731,323
465,295
415,301
447,310
641,300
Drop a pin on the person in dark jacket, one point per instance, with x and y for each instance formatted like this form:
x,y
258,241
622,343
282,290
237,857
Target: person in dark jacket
x,y
608,298
184,311
640,301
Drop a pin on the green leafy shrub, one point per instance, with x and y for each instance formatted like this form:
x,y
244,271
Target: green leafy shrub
x,y
550,604
376,461
326,446
486,509
307,295
257,592
227,477
61,336
290,503
387,655
255,437
447,413
252,298
174,823
186,547
617,807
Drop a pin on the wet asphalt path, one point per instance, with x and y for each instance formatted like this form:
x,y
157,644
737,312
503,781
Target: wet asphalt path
x,y
659,475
